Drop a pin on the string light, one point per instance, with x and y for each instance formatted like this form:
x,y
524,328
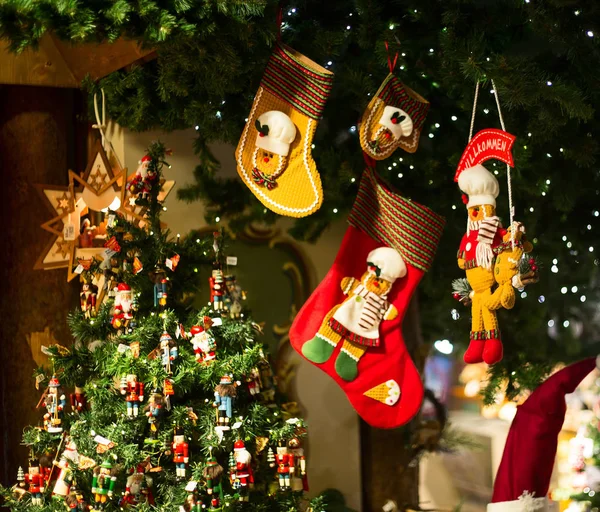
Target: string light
x,y
335,210
566,323
564,290
554,269
555,261
400,175
589,226
217,219
590,33
574,289
550,323
591,249
454,207
582,298
541,299
454,118
431,135
352,180
549,83
523,295
437,125
348,27
197,127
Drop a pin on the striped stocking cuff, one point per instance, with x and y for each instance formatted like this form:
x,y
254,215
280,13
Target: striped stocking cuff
x,y
410,228
297,80
394,93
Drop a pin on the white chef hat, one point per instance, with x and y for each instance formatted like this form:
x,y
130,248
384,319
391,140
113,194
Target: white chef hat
x,y
480,185
389,262
276,132
396,121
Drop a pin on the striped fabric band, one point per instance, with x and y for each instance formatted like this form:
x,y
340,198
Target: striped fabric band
x,y
394,93
410,228
487,230
297,80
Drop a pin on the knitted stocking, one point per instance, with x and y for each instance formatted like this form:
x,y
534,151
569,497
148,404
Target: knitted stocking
x,y
350,327
274,153
394,118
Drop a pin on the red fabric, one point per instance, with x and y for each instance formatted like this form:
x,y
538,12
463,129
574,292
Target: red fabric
x,y
469,255
530,449
180,453
388,361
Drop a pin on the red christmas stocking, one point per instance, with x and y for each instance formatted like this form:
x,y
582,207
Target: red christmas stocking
x,y
351,326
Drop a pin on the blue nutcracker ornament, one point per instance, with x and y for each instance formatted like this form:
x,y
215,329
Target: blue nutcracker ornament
x,y
225,394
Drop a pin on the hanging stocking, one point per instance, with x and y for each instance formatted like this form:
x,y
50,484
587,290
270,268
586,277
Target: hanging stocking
x,y
350,327
274,153
394,117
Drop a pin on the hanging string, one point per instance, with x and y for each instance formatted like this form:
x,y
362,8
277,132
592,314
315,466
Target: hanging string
x,y
474,110
391,65
511,208
279,21
100,125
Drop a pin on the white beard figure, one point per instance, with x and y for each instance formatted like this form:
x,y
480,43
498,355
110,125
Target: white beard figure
x,y
276,132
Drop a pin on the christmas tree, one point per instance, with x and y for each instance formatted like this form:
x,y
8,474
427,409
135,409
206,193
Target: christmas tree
x,y
173,407
541,57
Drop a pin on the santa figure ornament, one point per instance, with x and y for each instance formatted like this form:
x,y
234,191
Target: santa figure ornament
x,y
523,477
242,476
350,327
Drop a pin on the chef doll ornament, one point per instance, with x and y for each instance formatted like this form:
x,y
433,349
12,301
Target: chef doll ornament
x,y
276,132
484,239
355,322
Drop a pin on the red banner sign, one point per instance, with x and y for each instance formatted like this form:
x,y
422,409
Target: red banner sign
x,y
487,144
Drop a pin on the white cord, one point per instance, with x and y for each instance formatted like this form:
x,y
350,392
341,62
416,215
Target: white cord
x,y
474,110
101,126
511,208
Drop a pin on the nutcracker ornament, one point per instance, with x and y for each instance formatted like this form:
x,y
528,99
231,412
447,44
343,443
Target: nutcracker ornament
x,y
154,411
169,352
133,390
103,485
75,500
35,482
159,278
299,479
242,476
217,289
55,402
204,344
225,395
284,461
180,451
212,474
78,400
234,297
87,299
253,382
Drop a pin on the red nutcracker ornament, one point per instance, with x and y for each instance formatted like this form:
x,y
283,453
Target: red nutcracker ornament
x,y
55,401
204,344
87,299
242,476
284,461
35,482
134,393
217,289
78,400
299,479
180,450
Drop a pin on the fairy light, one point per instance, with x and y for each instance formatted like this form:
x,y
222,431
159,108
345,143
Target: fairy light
x,y
564,290
524,295
348,27
392,26
329,63
352,180
454,207
541,299
550,323
582,298
555,261
564,238
589,226
217,219
569,245
335,210
549,83
591,249
566,323
197,127
590,33
574,289
400,175
486,110
454,118
554,269
431,135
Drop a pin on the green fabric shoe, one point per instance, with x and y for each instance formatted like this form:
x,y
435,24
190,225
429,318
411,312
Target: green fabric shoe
x,y
346,367
317,350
